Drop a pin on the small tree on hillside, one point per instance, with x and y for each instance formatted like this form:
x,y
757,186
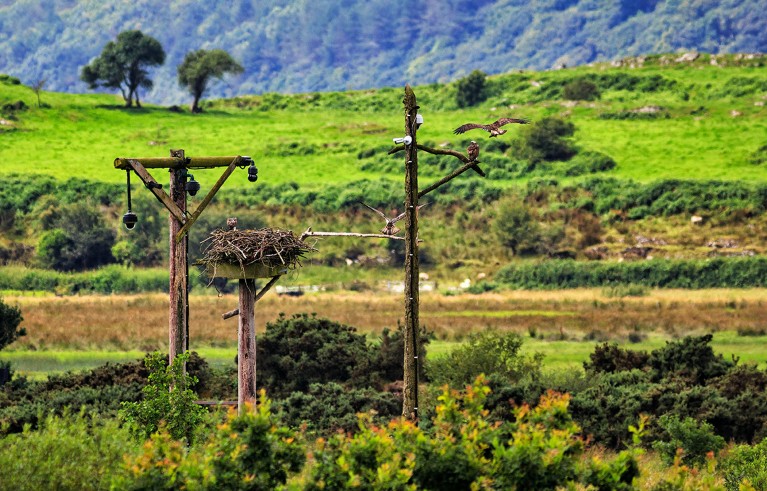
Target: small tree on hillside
x,y
123,65
199,67
471,89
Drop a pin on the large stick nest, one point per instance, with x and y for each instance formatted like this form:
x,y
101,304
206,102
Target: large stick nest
x,y
268,246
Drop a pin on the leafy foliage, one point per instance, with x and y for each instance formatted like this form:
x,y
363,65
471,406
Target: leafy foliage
x,y
463,449
79,240
547,140
485,353
581,90
695,439
471,90
168,401
199,67
71,451
249,451
743,463
10,319
123,65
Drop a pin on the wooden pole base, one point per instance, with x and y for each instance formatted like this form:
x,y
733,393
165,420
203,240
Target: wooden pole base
x,y
246,346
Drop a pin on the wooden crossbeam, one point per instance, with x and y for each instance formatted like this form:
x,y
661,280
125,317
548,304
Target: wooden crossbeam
x,y
176,162
156,189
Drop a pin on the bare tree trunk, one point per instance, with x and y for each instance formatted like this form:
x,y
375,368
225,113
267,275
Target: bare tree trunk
x,y
410,391
246,346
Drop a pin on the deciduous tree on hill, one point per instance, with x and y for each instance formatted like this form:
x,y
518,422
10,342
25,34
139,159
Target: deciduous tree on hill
x,y
199,67
123,65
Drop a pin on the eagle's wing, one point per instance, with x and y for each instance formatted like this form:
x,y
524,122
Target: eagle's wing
x,y
504,121
470,126
402,215
377,211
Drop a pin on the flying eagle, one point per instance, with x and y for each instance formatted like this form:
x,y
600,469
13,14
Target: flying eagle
x,y
390,228
473,151
493,128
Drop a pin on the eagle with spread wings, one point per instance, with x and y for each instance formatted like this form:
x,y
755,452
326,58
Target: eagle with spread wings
x,y
493,128
390,228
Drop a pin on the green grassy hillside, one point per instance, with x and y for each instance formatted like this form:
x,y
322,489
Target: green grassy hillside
x,y
314,139
686,138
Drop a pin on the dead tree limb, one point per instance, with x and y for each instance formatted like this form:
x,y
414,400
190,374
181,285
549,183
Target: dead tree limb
x,y
446,151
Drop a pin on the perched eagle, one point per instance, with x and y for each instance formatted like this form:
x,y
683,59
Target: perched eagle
x,y
473,151
493,128
390,228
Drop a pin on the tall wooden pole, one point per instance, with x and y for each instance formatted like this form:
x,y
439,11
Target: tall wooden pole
x,y
246,345
179,293
410,392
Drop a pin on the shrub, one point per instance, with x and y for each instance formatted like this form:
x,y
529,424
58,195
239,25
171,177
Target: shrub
x,y
168,401
471,90
485,353
609,358
581,90
329,407
80,240
546,140
10,319
745,462
694,438
691,358
463,449
515,227
66,452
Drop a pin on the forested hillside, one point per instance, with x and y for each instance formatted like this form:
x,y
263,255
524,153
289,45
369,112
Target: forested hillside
x,y
301,45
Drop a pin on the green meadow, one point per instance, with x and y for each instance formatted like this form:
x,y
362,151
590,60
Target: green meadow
x,y
712,119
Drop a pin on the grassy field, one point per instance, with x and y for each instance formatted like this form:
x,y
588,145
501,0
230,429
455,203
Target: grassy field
x,y
81,135
72,333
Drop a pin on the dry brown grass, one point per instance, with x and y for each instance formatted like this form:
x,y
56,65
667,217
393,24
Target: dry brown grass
x,y
141,321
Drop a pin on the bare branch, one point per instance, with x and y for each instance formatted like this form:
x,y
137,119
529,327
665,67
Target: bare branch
x,y
309,233
471,165
442,151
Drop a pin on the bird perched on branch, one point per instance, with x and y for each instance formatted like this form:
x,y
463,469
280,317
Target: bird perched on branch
x,y
493,128
390,228
472,151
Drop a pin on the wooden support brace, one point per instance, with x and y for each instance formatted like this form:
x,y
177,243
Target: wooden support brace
x,y
260,294
208,197
153,186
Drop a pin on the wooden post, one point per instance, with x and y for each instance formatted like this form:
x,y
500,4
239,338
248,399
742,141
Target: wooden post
x,y
246,345
179,294
410,390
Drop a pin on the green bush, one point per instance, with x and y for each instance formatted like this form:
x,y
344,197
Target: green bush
x,y
471,90
100,391
80,240
329,407
65,452
168,401
515,227
463,449
694,438
547,140
249,451
302,350
745,462
10,319
485,353
658,273
581,90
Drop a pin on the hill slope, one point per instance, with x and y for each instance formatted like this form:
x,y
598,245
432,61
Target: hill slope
x,y
300,45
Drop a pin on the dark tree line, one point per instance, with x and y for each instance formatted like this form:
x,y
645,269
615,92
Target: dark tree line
x,y
124,65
